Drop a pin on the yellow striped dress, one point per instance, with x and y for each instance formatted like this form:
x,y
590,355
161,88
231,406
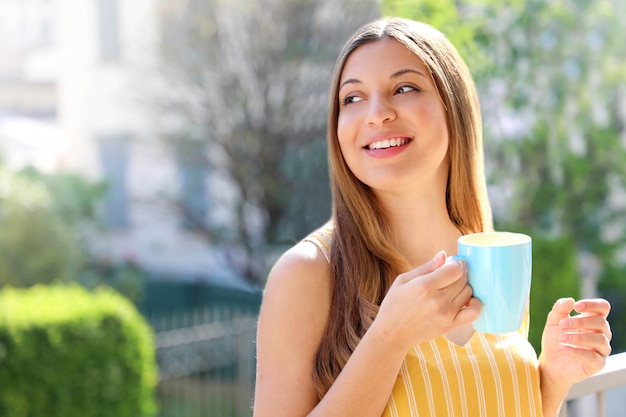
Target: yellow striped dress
x,y
491,375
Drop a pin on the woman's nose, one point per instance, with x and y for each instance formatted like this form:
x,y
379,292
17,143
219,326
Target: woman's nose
x,y
380,111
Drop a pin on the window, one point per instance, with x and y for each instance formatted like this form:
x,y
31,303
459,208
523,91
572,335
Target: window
x,y
114,162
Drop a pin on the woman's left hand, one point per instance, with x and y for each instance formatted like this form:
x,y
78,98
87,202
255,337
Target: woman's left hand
x,y
575,347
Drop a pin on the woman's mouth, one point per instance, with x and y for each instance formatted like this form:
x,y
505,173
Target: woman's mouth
x,y
387,143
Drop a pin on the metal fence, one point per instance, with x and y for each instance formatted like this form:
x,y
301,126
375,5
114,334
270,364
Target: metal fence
x,y
206,360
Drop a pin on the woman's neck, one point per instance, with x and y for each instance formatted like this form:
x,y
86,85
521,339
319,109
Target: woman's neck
x,y
421,227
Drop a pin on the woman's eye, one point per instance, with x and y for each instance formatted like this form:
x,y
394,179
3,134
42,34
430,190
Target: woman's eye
x,y
351,99
405,89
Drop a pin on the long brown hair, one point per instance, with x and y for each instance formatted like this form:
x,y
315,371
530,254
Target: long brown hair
x,y
363,259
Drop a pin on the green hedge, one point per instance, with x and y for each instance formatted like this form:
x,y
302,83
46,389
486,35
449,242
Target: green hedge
x,y
66,351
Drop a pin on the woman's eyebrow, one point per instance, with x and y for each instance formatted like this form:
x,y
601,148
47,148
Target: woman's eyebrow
x,y
349,81
394,75
405,71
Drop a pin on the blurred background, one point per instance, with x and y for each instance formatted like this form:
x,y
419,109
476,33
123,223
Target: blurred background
x,y
172,149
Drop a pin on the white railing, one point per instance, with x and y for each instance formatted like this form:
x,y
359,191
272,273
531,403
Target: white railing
x,y
612,375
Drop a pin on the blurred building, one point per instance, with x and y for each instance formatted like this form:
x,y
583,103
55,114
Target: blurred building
x,y
28,67
70,71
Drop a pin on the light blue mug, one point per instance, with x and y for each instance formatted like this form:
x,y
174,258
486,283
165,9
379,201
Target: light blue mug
x,y
499,268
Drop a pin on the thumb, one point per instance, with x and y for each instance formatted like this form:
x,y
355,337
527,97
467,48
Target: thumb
x,y
430,266
438,260
561,309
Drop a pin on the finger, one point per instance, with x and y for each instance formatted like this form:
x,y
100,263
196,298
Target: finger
x,y
593,306
586,324
459,269
455,295
449,277
438,260
430,266
469,313
560,310
589,341
459,294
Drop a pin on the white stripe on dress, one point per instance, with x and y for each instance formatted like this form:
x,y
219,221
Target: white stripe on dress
x,y
392,407
516,389
531,391
495,372
459,373
444,378
426,378
478,380
410,392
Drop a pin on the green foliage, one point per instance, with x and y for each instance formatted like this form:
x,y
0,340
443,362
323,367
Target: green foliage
x,y
576,201
613,288
446,16
35,244
555,275
73,199
70,352
43,218
123,276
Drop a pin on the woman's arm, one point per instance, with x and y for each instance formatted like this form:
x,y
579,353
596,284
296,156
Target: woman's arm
x,y
572,348
422,304
291,324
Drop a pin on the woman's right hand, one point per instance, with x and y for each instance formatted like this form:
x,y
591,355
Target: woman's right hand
x,y
427,302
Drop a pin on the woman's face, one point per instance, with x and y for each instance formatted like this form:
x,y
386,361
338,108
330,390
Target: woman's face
x,y
392,125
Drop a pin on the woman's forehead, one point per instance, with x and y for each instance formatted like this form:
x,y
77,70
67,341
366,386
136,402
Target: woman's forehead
x,y
380,57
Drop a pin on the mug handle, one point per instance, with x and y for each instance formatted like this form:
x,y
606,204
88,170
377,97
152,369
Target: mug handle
x,y
455,258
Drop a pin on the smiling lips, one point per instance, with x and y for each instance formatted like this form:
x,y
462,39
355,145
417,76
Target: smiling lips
x,y
387,143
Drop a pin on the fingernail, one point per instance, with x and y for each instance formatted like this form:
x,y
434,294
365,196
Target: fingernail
x,y
463,266
561,301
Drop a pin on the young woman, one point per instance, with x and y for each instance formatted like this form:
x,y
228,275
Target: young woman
x,y
364,317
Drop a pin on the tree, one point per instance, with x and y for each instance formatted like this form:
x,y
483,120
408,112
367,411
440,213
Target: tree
x,y
39,219
551,80
555,124
446,16
247,87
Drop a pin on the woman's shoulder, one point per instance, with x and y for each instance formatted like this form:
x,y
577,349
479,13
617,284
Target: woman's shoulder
x,y
307,262
302,273
291,325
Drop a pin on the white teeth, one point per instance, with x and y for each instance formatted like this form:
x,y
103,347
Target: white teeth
x,y
387,143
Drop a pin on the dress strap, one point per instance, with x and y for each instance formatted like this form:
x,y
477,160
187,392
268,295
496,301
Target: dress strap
x,y
322,238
